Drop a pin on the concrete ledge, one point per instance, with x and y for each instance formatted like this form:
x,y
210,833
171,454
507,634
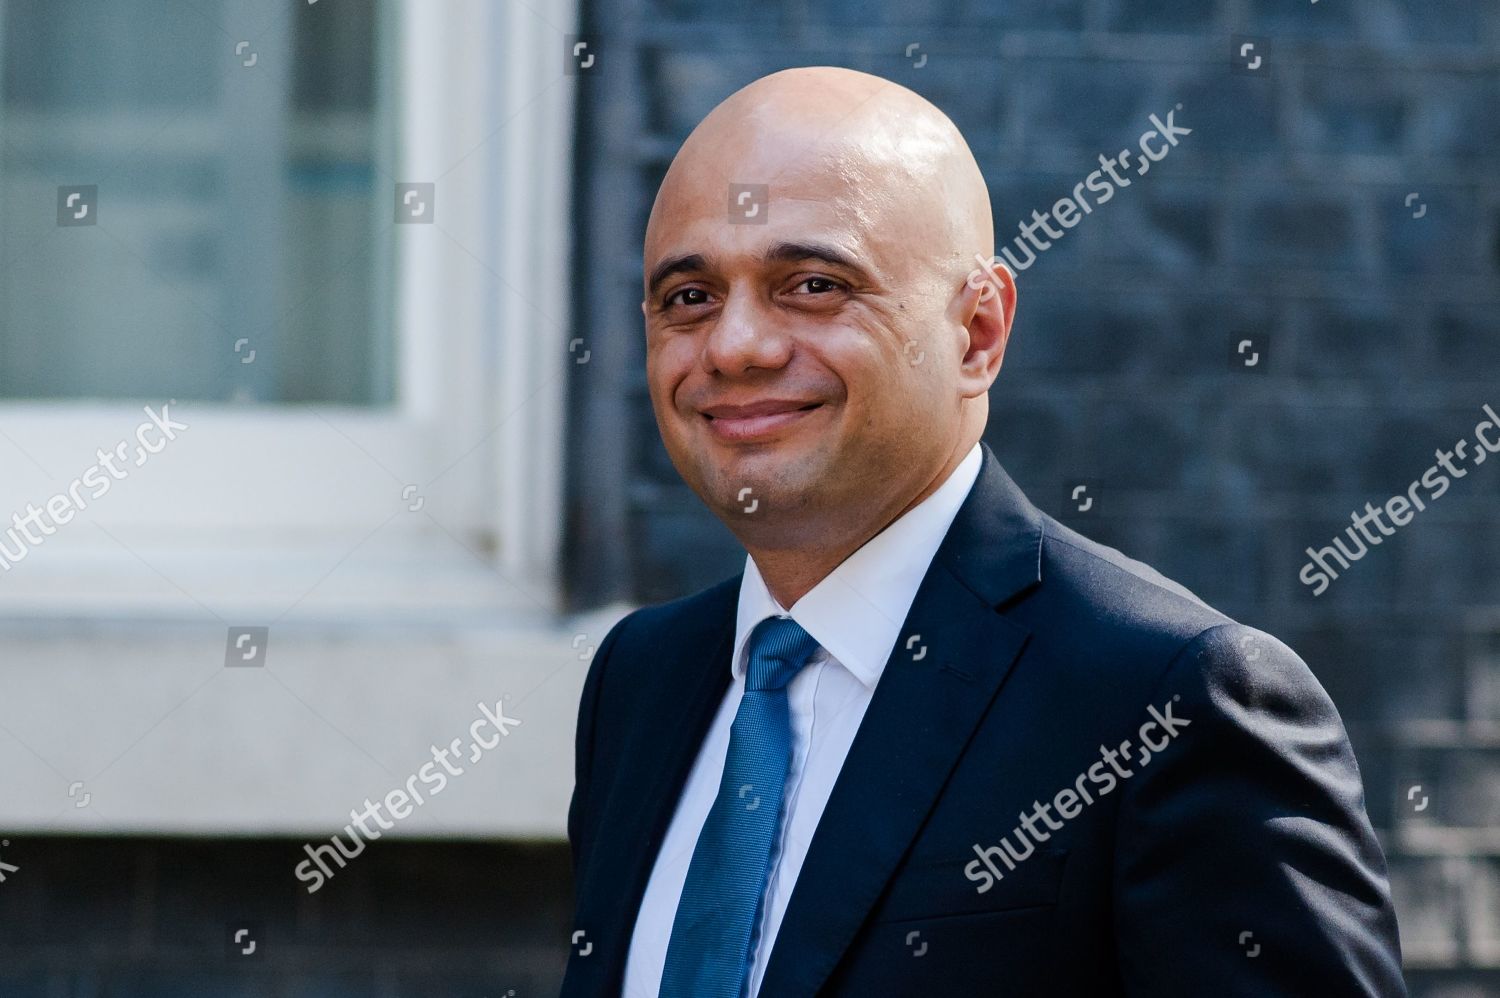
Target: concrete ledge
x,y
143,729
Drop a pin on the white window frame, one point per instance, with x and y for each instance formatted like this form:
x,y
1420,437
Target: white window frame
x,y
304,511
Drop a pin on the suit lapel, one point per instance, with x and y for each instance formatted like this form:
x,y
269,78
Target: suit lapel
x,y
926,706
694,675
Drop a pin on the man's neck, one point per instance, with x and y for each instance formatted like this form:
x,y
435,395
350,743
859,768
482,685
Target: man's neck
x,y
791,573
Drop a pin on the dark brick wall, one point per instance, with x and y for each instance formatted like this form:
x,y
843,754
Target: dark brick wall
x,y
154,918
1283,217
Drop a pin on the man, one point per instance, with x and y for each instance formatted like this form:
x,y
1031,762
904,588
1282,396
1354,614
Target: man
x,y
930,741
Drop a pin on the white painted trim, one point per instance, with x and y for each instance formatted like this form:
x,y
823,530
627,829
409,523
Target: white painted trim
x,y
532,305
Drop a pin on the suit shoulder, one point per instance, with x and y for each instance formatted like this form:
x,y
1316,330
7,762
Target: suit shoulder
x,y
685,619
1097,605
1120,587
1125,613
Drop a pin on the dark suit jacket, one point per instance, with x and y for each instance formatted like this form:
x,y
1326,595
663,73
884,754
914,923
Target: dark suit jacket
x,y
1238,861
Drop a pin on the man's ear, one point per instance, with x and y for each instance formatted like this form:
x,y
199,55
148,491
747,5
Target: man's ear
x,y
987,307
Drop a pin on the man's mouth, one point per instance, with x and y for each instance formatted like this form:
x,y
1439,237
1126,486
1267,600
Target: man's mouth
x,y
757,420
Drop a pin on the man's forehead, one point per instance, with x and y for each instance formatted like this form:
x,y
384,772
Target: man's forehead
x,y
716,226
795,230
724,183
824,202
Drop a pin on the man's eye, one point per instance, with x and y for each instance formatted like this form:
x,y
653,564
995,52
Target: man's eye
x,y
819,285
688,296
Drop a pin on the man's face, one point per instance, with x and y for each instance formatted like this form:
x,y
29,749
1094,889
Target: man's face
x,y
811,360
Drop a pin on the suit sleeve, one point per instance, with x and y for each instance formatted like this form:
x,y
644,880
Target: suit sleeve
x,y
1244,861
583,743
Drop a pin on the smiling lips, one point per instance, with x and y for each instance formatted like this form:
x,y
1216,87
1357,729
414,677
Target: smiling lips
x,y
756,420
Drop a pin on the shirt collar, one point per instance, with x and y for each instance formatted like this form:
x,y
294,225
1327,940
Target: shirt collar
x,y
856,612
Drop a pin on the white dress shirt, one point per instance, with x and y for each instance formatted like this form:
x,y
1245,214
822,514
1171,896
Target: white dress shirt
x,y
855,614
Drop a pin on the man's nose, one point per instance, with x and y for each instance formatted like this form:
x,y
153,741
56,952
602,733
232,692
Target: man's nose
x,y
745,335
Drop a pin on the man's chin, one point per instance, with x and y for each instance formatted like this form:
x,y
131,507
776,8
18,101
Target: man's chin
x,y
750,488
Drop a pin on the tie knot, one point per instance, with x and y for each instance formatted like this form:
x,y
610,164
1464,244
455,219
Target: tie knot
x,y
779,648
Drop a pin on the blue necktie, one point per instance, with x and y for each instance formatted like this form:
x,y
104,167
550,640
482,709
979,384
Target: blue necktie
x,y
714,932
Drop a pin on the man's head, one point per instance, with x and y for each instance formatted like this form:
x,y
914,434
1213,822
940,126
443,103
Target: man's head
x,y
845,292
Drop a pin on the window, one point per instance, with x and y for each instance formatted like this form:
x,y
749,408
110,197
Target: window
x,y
202,202
227,204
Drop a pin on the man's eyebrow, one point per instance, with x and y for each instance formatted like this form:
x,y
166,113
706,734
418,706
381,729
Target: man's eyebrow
x,y
793,252
674,265
783,252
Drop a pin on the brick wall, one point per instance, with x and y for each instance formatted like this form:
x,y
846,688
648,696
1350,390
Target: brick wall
x,y
1283,218
161,918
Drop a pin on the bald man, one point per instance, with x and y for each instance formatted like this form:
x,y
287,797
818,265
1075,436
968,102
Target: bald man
x,y
929,741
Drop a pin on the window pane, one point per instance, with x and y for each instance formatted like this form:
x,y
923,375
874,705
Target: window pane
x,y
183,182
